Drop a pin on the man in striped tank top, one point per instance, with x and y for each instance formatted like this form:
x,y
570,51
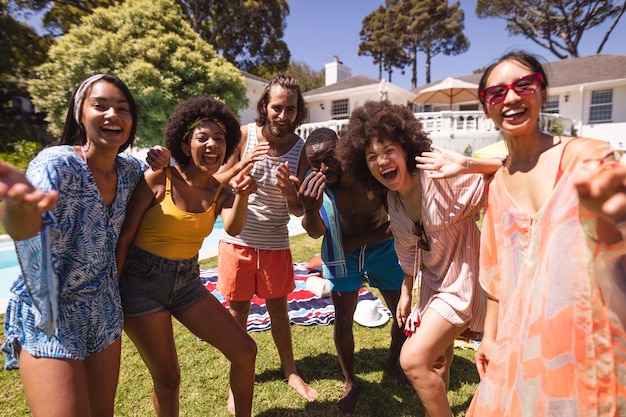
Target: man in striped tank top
x,y
258,260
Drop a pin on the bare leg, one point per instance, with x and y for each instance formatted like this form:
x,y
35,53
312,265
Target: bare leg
x,y
54,387
281,333
343,334
426,362
153,336
210,321
102,370
397,338
240,311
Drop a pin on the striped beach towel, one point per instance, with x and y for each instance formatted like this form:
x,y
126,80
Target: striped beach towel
x,y
304,307
333,257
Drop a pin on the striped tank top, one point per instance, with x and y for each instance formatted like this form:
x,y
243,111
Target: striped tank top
x,y
268,215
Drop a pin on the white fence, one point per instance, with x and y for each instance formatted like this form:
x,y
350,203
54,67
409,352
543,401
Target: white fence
x,y
459,131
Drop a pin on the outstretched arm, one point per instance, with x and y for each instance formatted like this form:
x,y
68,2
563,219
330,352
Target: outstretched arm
x,y
23,204
444,163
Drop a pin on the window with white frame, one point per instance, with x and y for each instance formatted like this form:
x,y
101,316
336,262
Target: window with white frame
x,y
340,109
552,105
601,108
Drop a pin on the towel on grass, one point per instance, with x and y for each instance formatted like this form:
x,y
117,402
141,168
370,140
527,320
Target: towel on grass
x,y
304,307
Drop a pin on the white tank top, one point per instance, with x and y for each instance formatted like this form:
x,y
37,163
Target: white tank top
x,y
268,215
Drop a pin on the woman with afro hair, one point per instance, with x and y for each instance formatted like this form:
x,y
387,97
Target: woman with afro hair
x,y
169,215
436,238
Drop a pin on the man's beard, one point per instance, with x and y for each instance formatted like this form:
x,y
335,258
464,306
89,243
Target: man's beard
x,y
280,132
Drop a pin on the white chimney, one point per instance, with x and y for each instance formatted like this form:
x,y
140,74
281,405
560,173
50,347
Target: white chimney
x,y
336,71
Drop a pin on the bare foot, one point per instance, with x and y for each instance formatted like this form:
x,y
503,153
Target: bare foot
x,y
397,373
301,387
347,403
230,403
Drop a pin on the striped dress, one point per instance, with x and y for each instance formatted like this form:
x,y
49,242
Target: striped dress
x,y
560,348
268,215
450,209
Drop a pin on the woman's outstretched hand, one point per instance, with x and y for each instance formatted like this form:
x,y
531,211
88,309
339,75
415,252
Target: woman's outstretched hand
x,y
441,163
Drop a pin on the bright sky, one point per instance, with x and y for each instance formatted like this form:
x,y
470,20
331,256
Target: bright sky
x,y
319,29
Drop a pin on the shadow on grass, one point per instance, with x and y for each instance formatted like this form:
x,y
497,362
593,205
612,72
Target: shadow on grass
x,y
379,396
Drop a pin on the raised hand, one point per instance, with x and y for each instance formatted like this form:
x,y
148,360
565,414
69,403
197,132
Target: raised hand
x,y
601,187
158,157
311,191
16,190
257,154
243,183
441,162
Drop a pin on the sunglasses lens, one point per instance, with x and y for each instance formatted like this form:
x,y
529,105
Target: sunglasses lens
x,y
526,85
495,94
523,86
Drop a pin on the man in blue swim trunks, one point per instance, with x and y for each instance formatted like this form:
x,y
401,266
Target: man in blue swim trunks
x,y
360,232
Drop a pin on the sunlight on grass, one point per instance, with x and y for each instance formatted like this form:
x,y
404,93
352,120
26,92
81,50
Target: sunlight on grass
x,y
204,371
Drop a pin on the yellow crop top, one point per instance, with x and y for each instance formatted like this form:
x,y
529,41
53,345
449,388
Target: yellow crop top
x,y
172,233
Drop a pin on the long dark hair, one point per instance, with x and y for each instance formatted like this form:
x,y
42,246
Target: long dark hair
x,y
288,83
74,131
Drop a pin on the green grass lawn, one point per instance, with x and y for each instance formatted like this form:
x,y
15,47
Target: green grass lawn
x,y
204,372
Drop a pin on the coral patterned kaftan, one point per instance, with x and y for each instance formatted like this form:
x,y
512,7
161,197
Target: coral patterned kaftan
x,y
560,348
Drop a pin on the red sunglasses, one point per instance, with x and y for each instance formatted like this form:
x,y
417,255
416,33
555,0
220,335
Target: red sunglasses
x,y
523,86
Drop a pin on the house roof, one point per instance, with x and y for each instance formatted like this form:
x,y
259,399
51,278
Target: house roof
x,y
352,82
571,71
253,77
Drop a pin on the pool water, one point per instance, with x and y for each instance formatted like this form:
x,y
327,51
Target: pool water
x,y
9,266
10,269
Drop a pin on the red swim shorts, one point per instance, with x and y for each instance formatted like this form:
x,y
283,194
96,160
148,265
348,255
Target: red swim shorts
x,y
244,271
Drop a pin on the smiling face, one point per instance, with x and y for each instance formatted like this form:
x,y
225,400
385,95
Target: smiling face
x,y
282,110
206,146
322,159
386,161
106,115
515,114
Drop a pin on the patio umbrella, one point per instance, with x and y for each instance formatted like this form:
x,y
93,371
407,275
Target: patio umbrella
x,y
448,91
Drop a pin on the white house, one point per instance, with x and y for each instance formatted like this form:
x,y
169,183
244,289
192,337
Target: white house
x,y
590,91
333,103
586,93
254,89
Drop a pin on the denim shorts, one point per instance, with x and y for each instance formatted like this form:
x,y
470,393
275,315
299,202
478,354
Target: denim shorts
x,y
150,283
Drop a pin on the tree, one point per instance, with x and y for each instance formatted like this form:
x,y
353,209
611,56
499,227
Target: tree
x,y
432,27
61,15
308,78
247,33
556,25
380,42
21,50
150,46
